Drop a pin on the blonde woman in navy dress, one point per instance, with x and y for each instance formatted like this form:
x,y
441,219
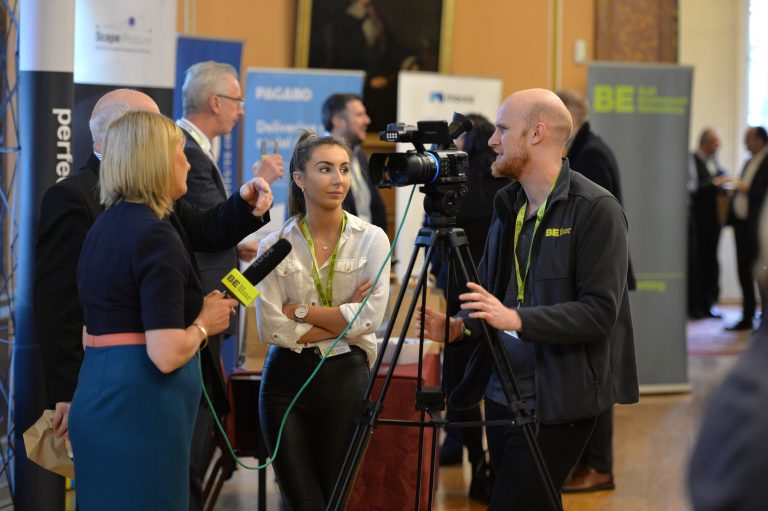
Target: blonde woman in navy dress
x,y
139,388
305,304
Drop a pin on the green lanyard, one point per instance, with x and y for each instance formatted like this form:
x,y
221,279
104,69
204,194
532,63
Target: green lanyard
x,y
518,228
325,295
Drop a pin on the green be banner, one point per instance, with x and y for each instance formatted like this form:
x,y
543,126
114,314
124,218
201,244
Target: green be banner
x,y
642,111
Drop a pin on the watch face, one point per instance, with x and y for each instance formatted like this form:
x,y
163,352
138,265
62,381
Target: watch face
x,y
301,311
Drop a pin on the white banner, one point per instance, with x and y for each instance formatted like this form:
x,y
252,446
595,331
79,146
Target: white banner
x,y
428,97
46,33
125,43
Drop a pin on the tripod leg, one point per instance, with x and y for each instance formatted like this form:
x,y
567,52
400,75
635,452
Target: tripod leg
x,y
370,410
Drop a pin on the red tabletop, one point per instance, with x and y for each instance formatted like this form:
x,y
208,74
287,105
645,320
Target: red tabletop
x,y
387,476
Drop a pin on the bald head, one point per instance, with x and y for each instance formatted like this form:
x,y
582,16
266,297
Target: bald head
x,y
113,105
532,127
542,107
709,141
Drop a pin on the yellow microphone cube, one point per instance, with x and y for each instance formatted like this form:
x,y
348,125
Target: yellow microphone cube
x,y
239,287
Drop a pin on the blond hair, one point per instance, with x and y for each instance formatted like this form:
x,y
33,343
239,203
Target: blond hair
x,y
138,162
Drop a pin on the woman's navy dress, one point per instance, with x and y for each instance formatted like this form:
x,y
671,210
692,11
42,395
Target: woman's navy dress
x,y
130,424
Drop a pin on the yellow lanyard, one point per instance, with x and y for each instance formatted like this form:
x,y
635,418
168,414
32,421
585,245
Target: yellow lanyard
x,y
518,229
325,295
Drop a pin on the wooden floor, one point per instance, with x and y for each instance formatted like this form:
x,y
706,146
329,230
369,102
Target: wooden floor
x,y
652,441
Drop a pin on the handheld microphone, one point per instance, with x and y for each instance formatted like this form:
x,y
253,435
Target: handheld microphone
x,y
241,285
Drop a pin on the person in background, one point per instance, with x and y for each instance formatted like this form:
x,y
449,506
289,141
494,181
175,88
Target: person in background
x,y
344,117
306,303
705,181
553,283
138,391
730,459
590,156
212,105
474,216
744,212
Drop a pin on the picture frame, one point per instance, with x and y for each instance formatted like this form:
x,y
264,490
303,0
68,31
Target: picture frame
x,y
381,37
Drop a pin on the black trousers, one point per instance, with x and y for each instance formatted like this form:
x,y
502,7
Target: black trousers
x,y
320,425
598,453
518,485
703,266
746,256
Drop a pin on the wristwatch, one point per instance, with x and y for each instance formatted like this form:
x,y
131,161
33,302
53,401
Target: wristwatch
x,y
301,312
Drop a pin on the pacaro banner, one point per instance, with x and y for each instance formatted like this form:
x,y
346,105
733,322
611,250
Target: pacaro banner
x,y
279,103
642,111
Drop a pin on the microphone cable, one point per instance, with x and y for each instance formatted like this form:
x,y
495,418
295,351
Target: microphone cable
x,y
270,459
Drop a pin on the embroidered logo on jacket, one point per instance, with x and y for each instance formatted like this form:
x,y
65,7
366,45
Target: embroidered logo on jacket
x,y
554,232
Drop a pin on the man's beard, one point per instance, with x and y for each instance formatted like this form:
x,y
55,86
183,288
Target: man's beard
x,y
511,165
353,139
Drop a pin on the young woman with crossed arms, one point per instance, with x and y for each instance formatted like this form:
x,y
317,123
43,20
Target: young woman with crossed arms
x,y
305,303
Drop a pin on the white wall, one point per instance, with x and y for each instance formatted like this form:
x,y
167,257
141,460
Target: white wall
x,y
713,39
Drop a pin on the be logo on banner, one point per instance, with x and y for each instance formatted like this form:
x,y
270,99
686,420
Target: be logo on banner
x,y
628,99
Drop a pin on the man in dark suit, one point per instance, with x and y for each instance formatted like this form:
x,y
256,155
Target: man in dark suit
x,y
590,156
344,116
705,180
749,194
212,104
68,210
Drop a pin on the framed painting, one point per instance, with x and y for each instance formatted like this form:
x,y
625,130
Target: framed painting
x,y
380,37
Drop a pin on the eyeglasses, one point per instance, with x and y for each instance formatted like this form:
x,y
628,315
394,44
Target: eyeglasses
x,y
239,101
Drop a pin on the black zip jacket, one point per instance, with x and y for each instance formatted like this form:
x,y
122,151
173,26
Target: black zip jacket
x,y
576,306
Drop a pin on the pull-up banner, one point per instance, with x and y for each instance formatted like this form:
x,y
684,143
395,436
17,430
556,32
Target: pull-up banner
x,y
121,44
45,138
189,51
434,97
642,111
279,103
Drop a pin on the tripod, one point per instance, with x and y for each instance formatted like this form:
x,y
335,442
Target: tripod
x,y
451,242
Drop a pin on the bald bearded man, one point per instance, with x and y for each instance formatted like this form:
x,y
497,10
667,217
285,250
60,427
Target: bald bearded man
x,y
553,280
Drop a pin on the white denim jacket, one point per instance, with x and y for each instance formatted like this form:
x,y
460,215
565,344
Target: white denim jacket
x,y
362,250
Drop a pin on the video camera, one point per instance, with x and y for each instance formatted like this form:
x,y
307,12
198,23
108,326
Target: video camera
x,y
442,169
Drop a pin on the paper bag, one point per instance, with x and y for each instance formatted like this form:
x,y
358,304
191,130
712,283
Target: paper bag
x,y
48,450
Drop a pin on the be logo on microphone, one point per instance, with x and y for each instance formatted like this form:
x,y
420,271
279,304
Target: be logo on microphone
x,y
239,287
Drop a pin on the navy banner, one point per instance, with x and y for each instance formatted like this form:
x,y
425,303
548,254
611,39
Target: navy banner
x,y
191,50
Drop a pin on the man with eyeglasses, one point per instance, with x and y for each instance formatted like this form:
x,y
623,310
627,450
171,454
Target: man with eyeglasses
x,y
212,105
